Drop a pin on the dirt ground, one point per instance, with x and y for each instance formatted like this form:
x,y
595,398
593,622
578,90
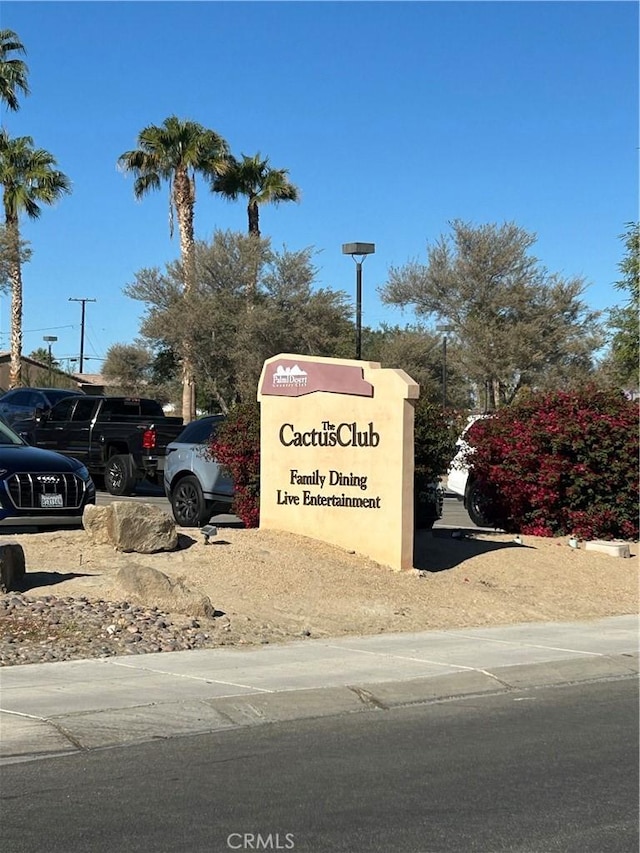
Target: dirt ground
x,y
275,586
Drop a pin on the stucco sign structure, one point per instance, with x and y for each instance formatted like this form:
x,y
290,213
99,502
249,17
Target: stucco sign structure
x,y
337,459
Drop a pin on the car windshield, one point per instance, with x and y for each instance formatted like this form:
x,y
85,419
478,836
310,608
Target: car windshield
x,y
8,436
197,432
59,394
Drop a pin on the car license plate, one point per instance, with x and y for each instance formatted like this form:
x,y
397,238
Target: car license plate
x,y
51,501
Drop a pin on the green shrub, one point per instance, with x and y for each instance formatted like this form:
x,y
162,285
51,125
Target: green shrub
x,y
435,436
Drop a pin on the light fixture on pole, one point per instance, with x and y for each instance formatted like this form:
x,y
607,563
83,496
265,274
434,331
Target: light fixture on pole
x,y
358,252
50,339
444,329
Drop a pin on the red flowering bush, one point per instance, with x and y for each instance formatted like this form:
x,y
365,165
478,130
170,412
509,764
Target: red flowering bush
x,y
236,446
561,463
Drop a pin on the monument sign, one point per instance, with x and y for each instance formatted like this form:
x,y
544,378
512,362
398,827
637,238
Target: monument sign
x,y
336,454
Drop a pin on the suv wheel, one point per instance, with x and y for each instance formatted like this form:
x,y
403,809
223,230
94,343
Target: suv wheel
x,y
190,509
478,506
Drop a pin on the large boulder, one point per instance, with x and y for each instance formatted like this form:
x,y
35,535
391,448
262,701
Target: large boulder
x,y
131,526
12,567
153,588
95,520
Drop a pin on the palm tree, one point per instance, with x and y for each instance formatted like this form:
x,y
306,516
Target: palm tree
x,y
13,72
175,151
43,355
29,178
253,178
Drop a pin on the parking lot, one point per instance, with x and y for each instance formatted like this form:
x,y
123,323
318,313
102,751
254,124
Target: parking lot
x,y
454,514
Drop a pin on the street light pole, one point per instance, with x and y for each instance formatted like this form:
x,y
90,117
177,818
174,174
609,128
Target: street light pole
x,y
358,252
444,372
83,301
49,340
359,310
444,329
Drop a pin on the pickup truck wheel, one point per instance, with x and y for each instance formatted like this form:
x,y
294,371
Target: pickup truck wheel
x,y
119,478
478,506
190,509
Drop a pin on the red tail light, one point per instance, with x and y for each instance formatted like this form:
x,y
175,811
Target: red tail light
x,y
149,439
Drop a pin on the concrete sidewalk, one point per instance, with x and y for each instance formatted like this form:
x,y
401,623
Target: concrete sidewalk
x,y
58,708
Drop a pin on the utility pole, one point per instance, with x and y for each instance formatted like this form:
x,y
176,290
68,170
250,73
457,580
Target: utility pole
x,y
84,301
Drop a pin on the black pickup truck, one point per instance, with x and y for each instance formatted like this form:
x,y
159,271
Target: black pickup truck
x,y
120,439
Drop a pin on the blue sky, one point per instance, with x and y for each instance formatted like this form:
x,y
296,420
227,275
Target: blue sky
x,y
393,118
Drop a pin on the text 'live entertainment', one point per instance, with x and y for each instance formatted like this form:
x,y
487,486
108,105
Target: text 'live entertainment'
x,y
335,478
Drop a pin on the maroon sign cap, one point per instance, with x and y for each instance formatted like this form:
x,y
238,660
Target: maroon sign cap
x,y
287,378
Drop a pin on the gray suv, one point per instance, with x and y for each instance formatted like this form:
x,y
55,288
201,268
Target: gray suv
x,y
194,483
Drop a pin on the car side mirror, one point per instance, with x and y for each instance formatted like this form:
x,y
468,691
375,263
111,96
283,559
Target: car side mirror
x,y
40,414
25,437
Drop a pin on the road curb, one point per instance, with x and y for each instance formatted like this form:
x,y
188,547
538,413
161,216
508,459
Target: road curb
x,y
27,738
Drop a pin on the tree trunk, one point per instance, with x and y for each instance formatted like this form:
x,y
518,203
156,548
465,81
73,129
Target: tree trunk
x,y
15,276
188,392
254,217
222,403
490,395
184,200
254,231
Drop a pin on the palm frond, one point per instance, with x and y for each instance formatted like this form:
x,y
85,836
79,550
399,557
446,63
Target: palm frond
x,y
253,178
145,182
13,72
174,146
29,177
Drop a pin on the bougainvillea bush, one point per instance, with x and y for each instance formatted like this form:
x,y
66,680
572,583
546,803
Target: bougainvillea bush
x,y
561,463
236,447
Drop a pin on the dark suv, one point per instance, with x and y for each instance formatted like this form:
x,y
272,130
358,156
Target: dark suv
x,y
40,487
21,403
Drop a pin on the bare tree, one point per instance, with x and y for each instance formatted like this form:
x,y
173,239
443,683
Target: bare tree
x,y
230,344
515,324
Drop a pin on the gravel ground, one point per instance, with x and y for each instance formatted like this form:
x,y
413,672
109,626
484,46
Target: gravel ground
x,y
47,629
53,629
271,587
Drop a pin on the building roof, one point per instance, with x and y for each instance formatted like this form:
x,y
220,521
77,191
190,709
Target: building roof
x,y
90,378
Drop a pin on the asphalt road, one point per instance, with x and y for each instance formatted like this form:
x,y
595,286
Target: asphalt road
x,y
539,771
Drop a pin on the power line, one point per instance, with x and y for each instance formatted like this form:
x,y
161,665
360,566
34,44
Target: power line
x,y
47,329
